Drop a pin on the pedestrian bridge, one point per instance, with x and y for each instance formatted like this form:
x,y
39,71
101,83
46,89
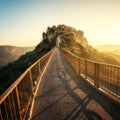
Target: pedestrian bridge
x,y
62,86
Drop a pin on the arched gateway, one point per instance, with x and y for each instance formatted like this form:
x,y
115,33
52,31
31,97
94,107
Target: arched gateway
x,y
58,40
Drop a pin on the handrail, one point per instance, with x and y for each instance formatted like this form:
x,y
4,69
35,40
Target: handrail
x,y
88,59
100,75
7,92
14,102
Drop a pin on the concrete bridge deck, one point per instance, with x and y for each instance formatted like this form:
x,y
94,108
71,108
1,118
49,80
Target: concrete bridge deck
x,y
64,95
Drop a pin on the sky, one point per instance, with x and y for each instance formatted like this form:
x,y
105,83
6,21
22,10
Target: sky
x,y
23,21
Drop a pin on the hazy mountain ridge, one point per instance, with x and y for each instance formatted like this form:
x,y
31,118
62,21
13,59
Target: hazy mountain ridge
x,y
70,39
115,56
11,53
111,50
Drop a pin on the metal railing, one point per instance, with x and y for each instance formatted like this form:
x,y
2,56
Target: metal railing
x,y
16,100
100,75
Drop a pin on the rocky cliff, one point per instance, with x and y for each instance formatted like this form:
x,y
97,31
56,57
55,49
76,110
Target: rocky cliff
x,y
9,54
75,41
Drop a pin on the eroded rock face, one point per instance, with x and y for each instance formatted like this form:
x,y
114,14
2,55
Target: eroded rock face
x,y
48,39
73,40
68,35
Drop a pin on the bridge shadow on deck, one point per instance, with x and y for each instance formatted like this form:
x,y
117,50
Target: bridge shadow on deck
x,y
109,106
82,104
78,100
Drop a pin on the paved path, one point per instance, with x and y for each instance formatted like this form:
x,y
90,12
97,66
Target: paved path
x,y
63,95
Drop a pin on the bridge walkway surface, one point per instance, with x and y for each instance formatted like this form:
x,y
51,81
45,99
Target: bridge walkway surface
x,y
64,95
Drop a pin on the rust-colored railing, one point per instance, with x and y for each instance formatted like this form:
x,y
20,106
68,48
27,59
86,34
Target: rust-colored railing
x,y
16,100
102,76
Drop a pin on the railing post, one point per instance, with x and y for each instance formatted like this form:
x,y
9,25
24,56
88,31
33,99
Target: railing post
x,y
79,66
1,117
96,75
31,82
36,72
17,104
85,69
6,111
14,111
39,68
10,108
118,78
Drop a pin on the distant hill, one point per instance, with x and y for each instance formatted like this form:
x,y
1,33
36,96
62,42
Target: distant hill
x,y
115,56
9,54
111,50
115,49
